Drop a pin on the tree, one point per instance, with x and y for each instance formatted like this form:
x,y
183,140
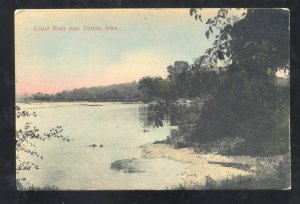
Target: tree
x,y
219,55
26,145
253,37
178,68
41,97
247,103
155,88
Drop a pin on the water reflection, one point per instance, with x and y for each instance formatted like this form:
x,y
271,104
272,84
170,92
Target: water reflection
x,y
156,114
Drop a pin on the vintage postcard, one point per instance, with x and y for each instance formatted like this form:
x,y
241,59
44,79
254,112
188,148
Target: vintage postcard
x,y
152,99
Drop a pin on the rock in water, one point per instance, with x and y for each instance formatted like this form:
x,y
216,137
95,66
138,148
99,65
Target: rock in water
x,y
126,165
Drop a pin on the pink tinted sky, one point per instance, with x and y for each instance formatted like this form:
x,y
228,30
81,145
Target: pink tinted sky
x,y
146,42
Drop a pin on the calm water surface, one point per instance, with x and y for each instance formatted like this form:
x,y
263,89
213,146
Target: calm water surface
x,y
118,127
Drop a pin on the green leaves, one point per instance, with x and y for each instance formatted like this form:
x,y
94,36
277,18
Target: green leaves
x,y
192,11
226,29
247,101
208,21
220,55
29,133
207,34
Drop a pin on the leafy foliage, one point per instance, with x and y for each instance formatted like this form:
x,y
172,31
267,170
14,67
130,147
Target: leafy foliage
x,y
236,80
26,145
221,24
249,104
155,88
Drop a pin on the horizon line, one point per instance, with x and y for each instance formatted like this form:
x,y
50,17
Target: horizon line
x,y
97,86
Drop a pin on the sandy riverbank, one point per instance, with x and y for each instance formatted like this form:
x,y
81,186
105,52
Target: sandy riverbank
x,y
217,167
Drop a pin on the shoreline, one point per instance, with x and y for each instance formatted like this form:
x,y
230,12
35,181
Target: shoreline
x,y
33,105
210,165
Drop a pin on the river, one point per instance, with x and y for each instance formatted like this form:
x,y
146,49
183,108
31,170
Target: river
x,y
119,128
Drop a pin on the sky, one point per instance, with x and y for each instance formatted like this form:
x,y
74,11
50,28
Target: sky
x,y
145,43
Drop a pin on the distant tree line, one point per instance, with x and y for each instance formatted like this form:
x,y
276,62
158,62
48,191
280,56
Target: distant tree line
x,y
116,92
